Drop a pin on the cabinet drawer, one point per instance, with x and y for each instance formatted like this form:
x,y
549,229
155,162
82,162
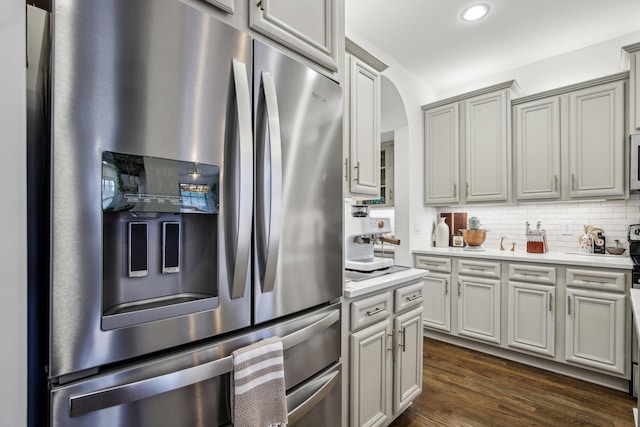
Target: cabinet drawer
x,y
408,297
435,264
479,268
597,279
532,274
370,310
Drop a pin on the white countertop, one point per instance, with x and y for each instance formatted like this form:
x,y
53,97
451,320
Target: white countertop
x,y
363,287
595,260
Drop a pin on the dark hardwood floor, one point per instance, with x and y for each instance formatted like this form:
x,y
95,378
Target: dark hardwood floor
x,y
466,388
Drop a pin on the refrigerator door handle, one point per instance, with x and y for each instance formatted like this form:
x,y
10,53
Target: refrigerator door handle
x,y
130,392
239,259
269,244
330,380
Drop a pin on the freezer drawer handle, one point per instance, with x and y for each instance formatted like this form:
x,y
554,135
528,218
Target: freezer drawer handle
x,y
314,399
304,334
127,393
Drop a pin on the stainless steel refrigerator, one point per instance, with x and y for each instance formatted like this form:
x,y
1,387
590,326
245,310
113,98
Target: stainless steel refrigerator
x,y
185,200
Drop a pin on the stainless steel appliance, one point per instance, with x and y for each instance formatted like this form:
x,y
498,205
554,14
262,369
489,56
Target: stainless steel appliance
x,y
361,234
167,151
633,237
634,165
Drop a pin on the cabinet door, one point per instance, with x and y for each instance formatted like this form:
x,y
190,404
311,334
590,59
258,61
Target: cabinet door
x,y
437,302
596,141
442,142
486,147
479,309
364,133
371,362
309,27
407,362
531,321
536,131
595,330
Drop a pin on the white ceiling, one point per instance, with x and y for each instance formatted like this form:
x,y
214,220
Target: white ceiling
x,y
428,38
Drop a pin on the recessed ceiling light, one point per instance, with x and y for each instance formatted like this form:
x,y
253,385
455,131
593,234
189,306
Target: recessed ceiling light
x,y
474,12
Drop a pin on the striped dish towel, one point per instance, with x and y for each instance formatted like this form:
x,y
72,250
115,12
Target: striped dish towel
x,y
259,398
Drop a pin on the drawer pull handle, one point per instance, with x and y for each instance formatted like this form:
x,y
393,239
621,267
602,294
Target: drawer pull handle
x,y
390,338
375,311
402,344
597,282
446,286
413,297
550,301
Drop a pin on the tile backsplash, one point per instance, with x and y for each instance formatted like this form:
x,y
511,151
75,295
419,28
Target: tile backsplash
x,y
509,221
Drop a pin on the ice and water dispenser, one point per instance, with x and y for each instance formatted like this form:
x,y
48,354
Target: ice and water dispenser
x,y
159,236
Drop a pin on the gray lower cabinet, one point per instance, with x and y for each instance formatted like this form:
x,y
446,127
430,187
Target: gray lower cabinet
x,y
479,300
531,308
385,354
596,322
557,316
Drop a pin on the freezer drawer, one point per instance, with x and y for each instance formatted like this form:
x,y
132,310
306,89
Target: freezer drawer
x,y
192,387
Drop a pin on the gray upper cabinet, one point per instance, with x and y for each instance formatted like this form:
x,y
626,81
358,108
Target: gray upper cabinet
x,y
441,129
596,141
633,52
536,138
468,147
569,142
362,123
487,148
309,27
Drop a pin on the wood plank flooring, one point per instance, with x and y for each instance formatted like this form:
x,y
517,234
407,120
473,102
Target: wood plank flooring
x,y
466,388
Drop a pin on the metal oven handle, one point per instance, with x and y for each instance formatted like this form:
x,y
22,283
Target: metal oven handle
x,y
130,392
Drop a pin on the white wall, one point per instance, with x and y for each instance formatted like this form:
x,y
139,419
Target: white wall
x,y
595,61
13,245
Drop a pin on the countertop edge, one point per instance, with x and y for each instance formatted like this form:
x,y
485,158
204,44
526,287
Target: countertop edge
x,y
368,286
559,258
